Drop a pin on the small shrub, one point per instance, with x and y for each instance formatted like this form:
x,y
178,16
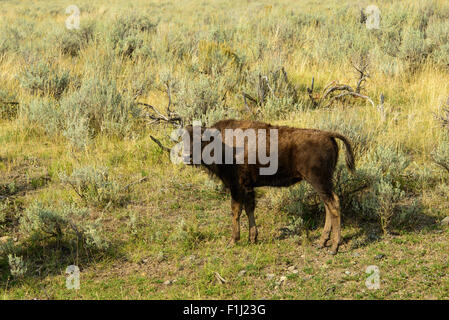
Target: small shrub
x,y
216,57
44,113
72,41
10,38
388,195
279,108
43,79
77,132
17,265
270,84
67,222
126,32
438,35
3,212
441,155
414,48
95,187
97,107
198,98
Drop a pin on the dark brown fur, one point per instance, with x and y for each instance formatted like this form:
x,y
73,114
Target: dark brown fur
x,y
304,154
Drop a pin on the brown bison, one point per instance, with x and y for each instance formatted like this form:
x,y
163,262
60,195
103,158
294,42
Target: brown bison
x,y
299,154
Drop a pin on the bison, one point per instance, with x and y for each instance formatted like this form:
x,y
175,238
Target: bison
x,y
302,154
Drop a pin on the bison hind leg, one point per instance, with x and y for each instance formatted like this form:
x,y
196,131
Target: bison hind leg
x,y
323,186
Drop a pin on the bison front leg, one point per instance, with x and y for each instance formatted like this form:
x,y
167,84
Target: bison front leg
x,y
236,208
250,205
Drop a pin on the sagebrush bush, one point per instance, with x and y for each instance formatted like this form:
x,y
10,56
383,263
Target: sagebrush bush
x,y
95,187
216,57
3,213
438,37
44,113
17,266
414,48
440,155
269,83
98,106
65,223
126,32
197,98
10,38
43,79
279,108
71,42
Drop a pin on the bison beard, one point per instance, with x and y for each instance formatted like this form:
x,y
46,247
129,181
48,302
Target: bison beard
x,y
302,154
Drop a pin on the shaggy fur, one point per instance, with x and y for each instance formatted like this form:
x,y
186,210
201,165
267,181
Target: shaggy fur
x,y
303,154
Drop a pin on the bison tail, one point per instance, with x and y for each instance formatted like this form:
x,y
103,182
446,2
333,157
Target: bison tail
x,y
350,162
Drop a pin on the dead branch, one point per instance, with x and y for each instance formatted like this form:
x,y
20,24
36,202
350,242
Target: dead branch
x,y
310,92
158,116
332,83
441,164
290,86
362,69
169,97
355,94
337,88
261,89
219,278
143,179
344,89
362,16
247,96
160,144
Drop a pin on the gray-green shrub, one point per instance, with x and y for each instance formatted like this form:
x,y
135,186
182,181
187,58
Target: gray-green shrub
x,y
43,79
44,113
126,34
98,106
17,265
65,223
95,187
71,42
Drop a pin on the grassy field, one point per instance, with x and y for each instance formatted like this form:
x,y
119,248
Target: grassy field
x,y
82,183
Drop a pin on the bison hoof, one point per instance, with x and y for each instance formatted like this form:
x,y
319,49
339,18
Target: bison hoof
x,y
232,243
253,236
322,244
252,240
